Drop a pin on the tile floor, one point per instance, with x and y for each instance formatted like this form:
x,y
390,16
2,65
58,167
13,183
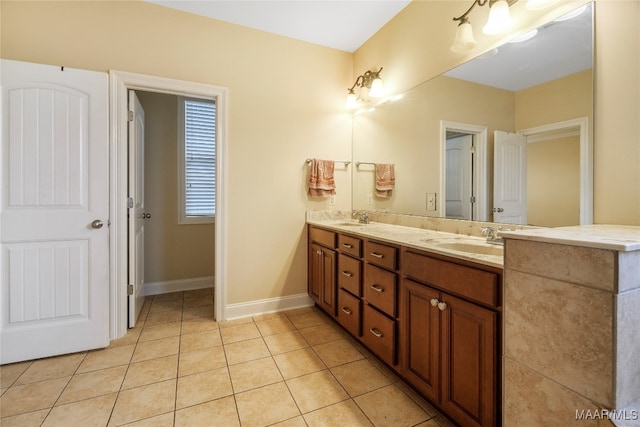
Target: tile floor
x,y
178,367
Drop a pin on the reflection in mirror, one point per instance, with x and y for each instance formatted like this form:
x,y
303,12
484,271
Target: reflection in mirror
x,y
532,105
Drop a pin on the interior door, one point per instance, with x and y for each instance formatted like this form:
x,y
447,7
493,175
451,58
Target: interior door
x,y
459,176
54,218
137,215
509,178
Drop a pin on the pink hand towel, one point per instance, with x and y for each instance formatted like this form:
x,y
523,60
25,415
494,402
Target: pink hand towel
x,y
321,182
385,179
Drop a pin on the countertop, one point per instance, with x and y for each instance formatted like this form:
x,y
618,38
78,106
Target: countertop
x,y
622,238
439,242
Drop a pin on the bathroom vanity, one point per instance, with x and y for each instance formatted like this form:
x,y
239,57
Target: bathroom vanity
x,y
427,303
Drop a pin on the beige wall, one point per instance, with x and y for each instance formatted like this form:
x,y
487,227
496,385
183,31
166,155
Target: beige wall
x,y
172,251
553,182
567,98
414,47
285,105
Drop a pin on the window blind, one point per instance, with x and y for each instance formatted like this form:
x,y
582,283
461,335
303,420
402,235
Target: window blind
x,y
200,158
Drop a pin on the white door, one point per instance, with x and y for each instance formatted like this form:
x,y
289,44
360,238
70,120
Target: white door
x,y
137,215
510,178
458,179
54,218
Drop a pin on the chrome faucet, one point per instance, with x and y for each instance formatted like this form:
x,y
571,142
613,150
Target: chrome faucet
x,y
363,217
492,235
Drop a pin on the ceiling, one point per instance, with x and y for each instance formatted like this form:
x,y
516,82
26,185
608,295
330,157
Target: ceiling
x,y
339,24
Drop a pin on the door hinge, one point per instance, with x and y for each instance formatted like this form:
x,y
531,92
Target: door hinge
x,y
130,116
472,199
129,202
130,290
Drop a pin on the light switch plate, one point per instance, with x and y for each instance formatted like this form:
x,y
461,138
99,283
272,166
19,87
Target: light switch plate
x,y
431,201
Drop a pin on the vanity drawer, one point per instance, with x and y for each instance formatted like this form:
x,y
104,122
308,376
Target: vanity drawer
x,y
349,308
379,289
478,285
349,274
379,334
382,255
323,237
350,245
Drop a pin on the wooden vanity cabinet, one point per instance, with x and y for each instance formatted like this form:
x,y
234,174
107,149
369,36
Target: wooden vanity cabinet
x,y
322,269
450,343
434,320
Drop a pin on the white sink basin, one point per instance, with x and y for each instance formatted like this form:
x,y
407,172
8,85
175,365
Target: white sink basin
x,y
471,247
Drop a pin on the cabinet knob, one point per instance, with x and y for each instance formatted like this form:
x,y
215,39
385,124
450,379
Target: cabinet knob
x,y
442,306
434,302
346,310
376,332
319,252
377,288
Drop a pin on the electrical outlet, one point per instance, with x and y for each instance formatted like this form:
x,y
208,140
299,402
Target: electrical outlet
x,y
332,200
431,201
369,199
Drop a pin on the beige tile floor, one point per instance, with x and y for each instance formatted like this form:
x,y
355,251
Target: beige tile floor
x,y
178,367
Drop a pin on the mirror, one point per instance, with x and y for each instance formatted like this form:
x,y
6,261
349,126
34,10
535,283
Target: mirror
x,y
505,137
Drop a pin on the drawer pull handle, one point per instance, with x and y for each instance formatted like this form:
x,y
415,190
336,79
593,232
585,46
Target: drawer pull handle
x,y
346,310
376,332
377,288
347,245
377,255
442,306
434,302
346,273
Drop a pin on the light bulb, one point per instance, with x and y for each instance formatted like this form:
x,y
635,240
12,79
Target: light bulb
x,y
352,100
464,40
499,18
377,89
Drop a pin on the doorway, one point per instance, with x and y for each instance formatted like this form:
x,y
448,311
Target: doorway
x,y
473,171
120,83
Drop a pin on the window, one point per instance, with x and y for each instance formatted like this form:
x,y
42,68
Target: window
x,y
197,157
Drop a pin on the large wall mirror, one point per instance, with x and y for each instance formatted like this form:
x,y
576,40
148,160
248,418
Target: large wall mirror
x,y
505,137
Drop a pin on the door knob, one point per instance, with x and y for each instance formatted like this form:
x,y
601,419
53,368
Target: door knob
x,y
497,210
96,224
146,215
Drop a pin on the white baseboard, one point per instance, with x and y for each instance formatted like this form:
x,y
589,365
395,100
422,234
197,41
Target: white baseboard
x,y
270,305
156,288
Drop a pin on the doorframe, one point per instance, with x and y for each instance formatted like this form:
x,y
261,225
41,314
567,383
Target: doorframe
x,y
119,83
560,129
480,167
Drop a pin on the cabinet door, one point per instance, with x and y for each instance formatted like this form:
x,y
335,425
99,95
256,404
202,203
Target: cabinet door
x,y
420,339
315,271
328,283
469,362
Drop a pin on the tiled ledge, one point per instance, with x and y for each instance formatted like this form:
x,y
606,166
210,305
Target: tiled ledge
x,y
621,238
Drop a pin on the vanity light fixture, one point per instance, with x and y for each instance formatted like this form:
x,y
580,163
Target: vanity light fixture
x,y
370,82
499,21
